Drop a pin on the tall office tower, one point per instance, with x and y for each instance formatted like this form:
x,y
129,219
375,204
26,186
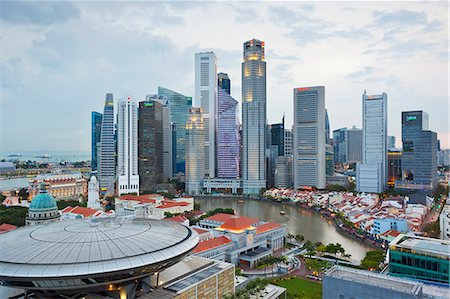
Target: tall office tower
x,y
253,117
150,145
206,97
96,129
195,151
353,145
391,143
228,146
224,82
340,145
277,136
127,146
394,167
309,137
327,128
419,164
167,134
179,110
288,142
329,161
283,174
371,173
271,167
107,157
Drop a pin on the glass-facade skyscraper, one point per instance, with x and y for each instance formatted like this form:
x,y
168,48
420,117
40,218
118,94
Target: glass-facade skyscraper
x,y
254,117
419,165
309,137
228,147
96,129
371,173
107,157
179,110
195,151
224,82
277,136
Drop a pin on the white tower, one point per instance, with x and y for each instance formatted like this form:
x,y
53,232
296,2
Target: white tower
x,y
93,194
127,146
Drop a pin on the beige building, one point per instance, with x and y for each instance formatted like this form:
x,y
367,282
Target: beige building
x,y
60,185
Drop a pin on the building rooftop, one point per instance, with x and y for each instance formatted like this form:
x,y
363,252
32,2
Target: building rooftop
x,y
238,224
211,243
374,279
421,245
43,201
5,227
266,227
178,218
86,212
219,217
90,246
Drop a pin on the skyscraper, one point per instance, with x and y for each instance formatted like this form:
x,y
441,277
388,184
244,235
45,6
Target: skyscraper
x,y
150,145
179,110
288,142
340,145
327,128
107,157
96,129
206,97
228,148
253,117
277,136
224,82
391,143
371,173
127,146
353,145
419,163
195,151
309,137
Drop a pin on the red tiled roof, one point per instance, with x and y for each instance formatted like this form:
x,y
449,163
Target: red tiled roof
x,y
5,227
238,223
86,212
147,198
220,217
211,243
200,231
170,204
198,213
266,227
392,233
67,209
179,219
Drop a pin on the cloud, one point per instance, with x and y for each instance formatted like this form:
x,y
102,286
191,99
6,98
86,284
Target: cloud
x,y
370,75
37,13
401,17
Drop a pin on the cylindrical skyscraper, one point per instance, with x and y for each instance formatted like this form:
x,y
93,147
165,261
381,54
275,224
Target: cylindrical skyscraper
x,y
253,117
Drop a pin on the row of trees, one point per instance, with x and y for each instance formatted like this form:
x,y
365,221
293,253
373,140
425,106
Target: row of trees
x,y
252,288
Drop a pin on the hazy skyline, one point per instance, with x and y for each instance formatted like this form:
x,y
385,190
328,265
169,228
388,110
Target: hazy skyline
x,y
59,59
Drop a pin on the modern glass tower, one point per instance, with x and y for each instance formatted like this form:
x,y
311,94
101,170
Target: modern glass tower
x,y
107,156
277,136
224,82
419,165
371,173
340,145
150,145
309,137
195,151
253,117
96,129
179,110
228,147
327,128
353,145
206,97
127,146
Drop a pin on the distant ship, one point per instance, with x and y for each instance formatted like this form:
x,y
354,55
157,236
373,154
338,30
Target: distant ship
x,y
16,155
43,156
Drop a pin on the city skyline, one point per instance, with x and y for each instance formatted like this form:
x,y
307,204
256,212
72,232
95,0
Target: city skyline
x,y
54,79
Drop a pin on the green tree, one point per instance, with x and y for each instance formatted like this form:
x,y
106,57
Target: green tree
x,y
373,259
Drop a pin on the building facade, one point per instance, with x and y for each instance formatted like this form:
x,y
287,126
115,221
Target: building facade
x,y
224,82
419,162
353,146
288,142
309,137
444,223
94,194
60,186
107,157
277,136
43,208
283,174
381,226
327,128
254,117
371,173
96,129
228,144
150,145
127,146
179,110
195,150
394,167
206,96
391,143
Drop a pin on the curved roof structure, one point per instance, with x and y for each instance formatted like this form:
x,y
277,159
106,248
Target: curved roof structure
x,y
90,248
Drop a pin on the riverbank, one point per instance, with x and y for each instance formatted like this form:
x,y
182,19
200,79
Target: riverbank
x,y
320,212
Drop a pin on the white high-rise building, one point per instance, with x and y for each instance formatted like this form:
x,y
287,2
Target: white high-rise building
x,y
107,148
288,142
206,97
309,137
93,194
195,151
254,116
371,173
127,146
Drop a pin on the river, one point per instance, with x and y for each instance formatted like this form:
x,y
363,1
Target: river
x,y
311,225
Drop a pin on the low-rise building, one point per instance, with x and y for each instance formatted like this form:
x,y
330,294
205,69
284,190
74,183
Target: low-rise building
x,y
78,212
240,240
420,258
60,185
444,223
381,226
5,227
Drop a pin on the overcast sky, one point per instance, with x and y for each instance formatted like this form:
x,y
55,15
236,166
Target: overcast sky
x,y
59,59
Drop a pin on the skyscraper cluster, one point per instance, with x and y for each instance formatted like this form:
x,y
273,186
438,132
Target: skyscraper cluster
x,y
168,135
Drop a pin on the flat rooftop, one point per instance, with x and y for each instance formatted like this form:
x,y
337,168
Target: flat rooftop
x,y
375,279
421,244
